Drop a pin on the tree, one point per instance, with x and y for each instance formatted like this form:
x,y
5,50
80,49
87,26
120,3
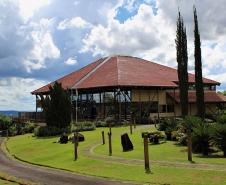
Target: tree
x,y
57,107
198,70
182,61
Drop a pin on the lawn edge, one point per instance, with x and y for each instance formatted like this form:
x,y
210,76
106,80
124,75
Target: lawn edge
x,y
6,150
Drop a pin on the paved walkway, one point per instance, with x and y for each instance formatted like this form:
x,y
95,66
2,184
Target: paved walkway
x,y
47,176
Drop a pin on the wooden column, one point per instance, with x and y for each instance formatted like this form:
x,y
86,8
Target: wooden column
x,y
36,107
72,105
120,107
140,104
100,107
104,103
174,102
158,103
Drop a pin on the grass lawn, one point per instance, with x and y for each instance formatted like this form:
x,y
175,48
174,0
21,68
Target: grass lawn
x,y
3,182
44,151
166,151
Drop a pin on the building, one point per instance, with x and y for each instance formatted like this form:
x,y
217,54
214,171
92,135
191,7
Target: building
x,y
123,86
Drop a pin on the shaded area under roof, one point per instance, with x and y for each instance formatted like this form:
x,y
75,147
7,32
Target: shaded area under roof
x,y
209,97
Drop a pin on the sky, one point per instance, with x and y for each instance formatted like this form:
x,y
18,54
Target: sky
x,y
42,40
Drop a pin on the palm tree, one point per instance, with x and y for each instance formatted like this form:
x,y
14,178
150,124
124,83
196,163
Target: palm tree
x,y
219,137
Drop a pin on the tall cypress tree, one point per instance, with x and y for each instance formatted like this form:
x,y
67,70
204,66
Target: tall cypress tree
x,y
182,61
198,69
182,70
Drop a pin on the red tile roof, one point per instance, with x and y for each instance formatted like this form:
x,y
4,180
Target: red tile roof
x,y
209,97
121,71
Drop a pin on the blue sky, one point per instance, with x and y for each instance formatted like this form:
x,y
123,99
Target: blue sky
x,y
43,40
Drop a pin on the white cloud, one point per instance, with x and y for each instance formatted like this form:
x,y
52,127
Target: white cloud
x,y
43,46
137,36
19,98
71,61
29,7
76,22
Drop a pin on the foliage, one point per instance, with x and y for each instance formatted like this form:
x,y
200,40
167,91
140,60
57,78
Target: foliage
x,y
57,107
219,137
182,60
168,124
29,127
198,70
201,137
83,126
5,122
221,119
49,131
100,123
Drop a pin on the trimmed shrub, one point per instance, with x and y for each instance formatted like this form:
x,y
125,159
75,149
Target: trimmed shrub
x,y
100,123
49,131
83,126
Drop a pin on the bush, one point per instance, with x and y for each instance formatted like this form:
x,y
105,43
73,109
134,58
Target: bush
x,y
201,136
29,127
221,119
48,131
82,126
168,124
100,123
219,137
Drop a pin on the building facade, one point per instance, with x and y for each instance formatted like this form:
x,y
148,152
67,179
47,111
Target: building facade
x,y
125,87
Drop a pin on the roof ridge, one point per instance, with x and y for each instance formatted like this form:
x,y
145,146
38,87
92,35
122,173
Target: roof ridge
x,y
90,73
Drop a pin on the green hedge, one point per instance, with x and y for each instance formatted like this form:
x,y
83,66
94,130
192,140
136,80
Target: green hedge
x,y
83,126
49,131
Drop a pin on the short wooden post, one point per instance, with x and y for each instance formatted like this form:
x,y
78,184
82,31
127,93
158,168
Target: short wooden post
x,y
146,154
103,138
134,123
76,146
189,141
110,127
110,144
131,129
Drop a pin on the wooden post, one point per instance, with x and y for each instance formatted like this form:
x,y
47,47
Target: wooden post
x,y
103,138
110,144
189,145
134,122
146,154
131,128
76,146
110,127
